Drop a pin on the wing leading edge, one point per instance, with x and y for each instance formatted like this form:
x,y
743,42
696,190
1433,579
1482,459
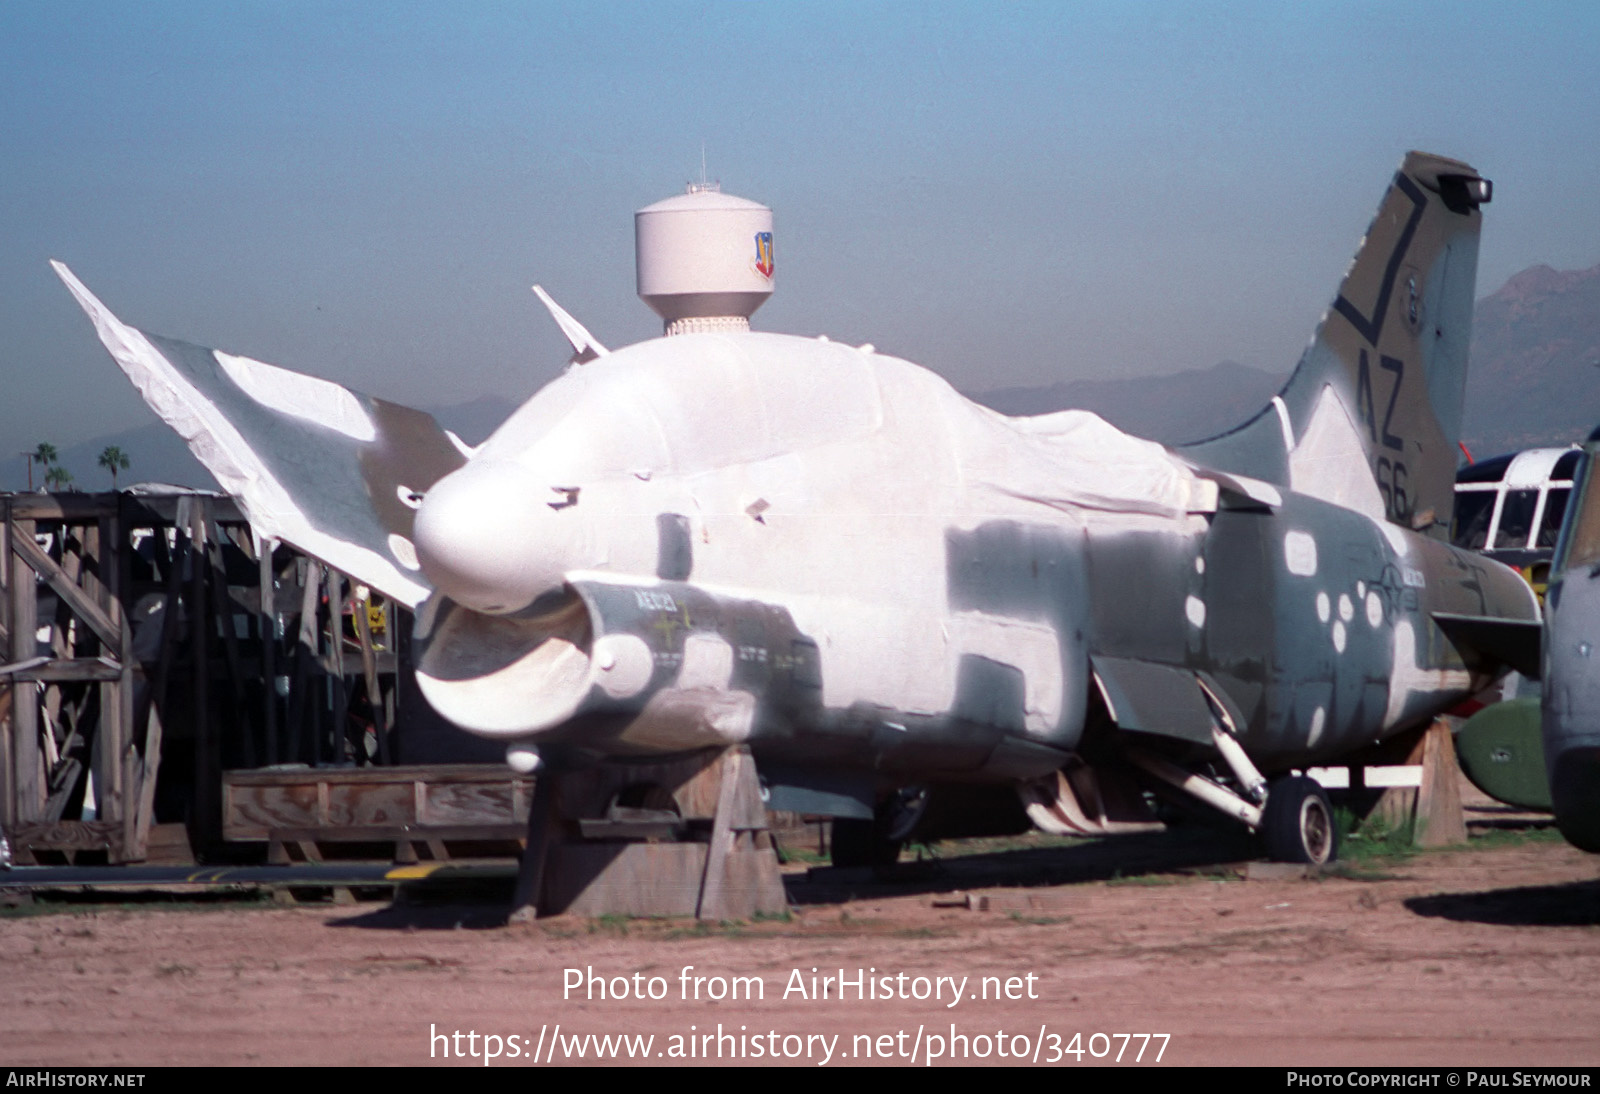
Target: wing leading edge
x,y
334,472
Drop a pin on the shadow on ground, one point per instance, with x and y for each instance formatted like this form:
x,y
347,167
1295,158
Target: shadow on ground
x,y
967,865
480,905
1023,863
1575,904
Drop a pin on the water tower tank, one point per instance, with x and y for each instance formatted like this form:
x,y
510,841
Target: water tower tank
x,y
704,259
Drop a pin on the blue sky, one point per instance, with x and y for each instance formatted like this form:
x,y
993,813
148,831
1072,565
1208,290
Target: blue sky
x,y
1008,193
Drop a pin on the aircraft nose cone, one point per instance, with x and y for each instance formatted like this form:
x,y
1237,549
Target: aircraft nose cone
x,y
488,538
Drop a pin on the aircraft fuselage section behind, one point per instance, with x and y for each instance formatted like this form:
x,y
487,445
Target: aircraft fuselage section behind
x,y
1318,622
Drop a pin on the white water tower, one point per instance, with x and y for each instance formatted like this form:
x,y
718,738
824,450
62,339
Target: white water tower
x,y
704,259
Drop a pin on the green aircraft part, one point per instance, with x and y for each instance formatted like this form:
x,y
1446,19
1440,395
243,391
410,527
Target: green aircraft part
x,y
1501,752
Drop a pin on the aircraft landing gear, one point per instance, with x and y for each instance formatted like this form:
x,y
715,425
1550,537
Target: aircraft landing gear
x,y
1297,824
877,842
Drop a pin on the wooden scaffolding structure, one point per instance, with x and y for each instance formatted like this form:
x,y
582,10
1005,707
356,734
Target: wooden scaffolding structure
x,y
149,642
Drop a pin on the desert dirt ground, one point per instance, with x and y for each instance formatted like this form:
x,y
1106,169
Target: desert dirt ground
x,y
1486,955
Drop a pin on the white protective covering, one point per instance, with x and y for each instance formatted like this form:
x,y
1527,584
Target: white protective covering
x,y
821,477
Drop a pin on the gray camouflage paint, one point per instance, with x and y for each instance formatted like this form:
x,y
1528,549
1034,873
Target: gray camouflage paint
x,y
1570,706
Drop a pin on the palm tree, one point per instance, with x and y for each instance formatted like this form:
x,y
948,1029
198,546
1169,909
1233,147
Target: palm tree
x,y
114,459
45,455
58,477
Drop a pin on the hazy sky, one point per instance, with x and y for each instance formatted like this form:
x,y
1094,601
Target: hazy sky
x,y
1007,193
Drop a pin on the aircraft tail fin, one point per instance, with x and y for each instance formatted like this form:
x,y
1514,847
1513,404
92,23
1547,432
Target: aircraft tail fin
x,y
1371,417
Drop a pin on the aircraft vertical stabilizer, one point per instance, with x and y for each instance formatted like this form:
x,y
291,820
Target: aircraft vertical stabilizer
x,y
1371,417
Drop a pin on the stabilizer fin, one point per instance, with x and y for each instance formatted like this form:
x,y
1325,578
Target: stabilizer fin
x,y
1371,417
1490,642
585,346
331,471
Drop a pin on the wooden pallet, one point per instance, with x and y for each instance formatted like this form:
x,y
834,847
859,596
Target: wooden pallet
x,y
303,812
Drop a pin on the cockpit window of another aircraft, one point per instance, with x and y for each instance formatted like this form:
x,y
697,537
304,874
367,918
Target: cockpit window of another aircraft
x,y
1516,518
1582,547
1474,513
1515,502
1555,511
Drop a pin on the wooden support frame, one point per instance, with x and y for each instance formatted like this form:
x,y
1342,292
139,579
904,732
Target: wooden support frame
x,y
26,804
723,866
1432,809
69,710
143,657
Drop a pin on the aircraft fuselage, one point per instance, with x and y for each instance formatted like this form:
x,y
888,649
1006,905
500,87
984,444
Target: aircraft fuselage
x,y
830,554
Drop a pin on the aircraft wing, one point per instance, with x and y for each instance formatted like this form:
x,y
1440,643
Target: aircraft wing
x,y
336,473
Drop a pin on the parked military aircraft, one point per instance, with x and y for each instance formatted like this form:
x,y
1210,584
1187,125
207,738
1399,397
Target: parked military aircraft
x,y
1511,509
1571,685
826,553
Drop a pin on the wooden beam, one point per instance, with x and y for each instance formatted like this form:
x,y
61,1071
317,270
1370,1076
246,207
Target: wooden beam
x,y
71,508
80,508
267,625
61,784
147,763
90,575
333,665
120,572
305,653
7,695
27,776
81,603
224,609
713,903
64,670
70,836
207,825
1440,821
150,769
97,578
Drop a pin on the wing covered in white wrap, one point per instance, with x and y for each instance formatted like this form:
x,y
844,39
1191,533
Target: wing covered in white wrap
x,y
333,472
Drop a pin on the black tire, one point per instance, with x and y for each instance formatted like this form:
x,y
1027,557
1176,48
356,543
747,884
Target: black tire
x,y
862,843
900,818
1297,824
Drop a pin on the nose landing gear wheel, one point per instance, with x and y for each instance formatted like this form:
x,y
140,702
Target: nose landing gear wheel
x,y
878,842
1297,824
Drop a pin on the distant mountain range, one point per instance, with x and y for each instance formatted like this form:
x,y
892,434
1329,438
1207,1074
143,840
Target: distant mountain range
x,y
1535,380
1187,406
1535,376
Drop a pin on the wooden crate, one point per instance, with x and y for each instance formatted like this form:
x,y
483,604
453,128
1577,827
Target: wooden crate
x,y
355,804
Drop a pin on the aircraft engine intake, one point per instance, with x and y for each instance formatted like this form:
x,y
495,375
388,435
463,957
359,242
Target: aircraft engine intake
x,y
505,675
